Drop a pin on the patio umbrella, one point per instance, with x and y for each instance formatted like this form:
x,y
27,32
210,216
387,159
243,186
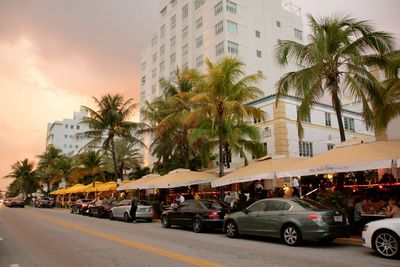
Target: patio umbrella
x,y
109,186
136,183
73,189
358,157
264,168
92,187
178,178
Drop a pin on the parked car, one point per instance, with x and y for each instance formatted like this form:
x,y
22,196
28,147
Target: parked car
x,y
44,202
383,236
101,209
197,214
80,206
15,202
121,211
292,220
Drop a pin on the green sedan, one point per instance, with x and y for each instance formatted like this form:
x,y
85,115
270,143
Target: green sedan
x,y
292,220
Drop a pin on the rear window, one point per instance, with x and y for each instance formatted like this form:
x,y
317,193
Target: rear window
x,y
214,205
309,204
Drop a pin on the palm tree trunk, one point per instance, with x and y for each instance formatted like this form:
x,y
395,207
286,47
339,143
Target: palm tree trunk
x,y
220,144
186,148
338,109
116,172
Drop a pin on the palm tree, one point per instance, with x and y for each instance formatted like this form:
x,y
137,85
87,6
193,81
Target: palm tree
x,y
334,63
223,95
64,166
25,177
111,120
127,156
47,167
89,164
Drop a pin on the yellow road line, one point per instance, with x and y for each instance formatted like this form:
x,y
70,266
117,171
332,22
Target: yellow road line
x,y
132,244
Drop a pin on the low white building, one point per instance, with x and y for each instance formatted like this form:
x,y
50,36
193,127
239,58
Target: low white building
x,y
64,134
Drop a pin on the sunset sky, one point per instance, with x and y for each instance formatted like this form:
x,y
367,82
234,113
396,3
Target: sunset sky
x,y
56,55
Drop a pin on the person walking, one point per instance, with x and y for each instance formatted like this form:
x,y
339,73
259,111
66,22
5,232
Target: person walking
x,y
133,209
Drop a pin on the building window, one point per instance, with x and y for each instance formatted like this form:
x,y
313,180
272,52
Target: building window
x,y
199,61
172,76
154,41
185,11
218,8
142,96
162,50
199,23
65,135
258,53
66,126
143,80
349,124
162,66
185,50
219,48
298,34
72,126
70,146
76,146
328,119
164,11
154,57
173,2
154,73
330,146
307,118
265,144
198,3
162,31
185,66
153,89
65,145
219,27
173,42
185,32
172,59
143,66
233,48
231,7
278,24
199,41
305,149
173,21
260,73
232,27
258,34
279,41
78,127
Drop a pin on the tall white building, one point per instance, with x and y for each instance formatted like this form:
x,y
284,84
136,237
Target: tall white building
x,y
63,134
189,31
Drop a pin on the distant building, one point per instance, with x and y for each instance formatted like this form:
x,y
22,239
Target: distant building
x,y
64,134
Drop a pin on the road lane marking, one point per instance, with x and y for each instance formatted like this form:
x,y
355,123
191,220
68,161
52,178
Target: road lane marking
x,y
14,265
132,244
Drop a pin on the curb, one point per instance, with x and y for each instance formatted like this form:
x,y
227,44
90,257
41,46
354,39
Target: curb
x,y
349,241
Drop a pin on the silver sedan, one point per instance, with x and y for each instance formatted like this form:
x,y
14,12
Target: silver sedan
x,y
121,211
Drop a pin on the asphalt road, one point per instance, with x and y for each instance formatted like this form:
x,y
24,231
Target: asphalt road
x,y
54,237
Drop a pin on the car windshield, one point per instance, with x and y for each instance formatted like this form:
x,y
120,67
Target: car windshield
x,y
214,204
309,204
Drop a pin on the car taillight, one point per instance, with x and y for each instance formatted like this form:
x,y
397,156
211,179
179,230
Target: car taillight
x,y
213,215
84,205
316,217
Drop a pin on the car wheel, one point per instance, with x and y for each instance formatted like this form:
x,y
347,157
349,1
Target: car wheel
x,y
165,222
111,216
326,240
231,229
72,210
126,217
197,225
386,243
291,235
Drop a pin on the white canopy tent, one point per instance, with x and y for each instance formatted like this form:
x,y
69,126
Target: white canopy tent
x,y
136,184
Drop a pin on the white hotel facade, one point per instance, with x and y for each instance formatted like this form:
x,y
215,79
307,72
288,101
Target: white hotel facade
x,y
189,31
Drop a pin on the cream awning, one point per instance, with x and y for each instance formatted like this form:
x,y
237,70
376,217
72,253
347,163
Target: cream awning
x,y
264,168
178,178
136,183
358,157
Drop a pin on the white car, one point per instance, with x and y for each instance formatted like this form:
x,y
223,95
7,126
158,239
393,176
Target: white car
x,y
383,236
121,211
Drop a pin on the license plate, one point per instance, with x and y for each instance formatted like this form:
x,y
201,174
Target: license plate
x,y
338,218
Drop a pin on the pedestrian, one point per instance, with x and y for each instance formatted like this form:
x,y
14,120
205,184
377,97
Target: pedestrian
x,y
296,187
133,209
